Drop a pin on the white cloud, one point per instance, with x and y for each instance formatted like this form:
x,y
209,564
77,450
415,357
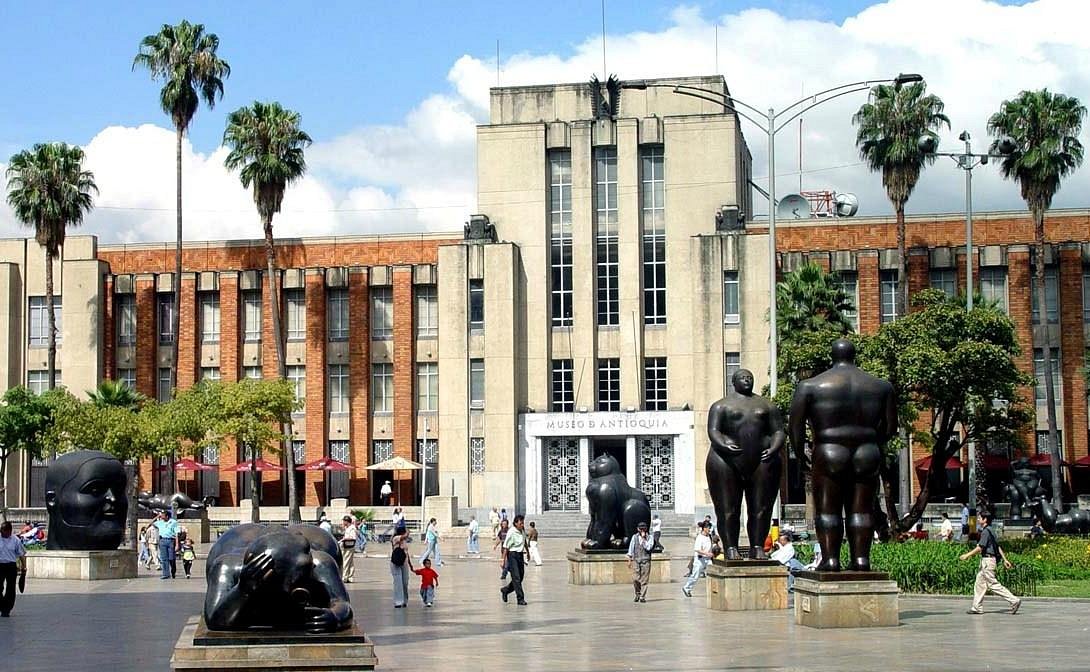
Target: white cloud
x,y
420,174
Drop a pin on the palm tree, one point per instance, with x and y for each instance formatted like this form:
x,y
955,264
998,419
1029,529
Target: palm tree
x,y
891,126
49,190
184,58
117,394
1038,133
810,299
267,146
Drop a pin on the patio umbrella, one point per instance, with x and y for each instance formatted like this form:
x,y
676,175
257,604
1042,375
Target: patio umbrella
x,y
924,463
260,464
1083,461
398,463
996,462
325,464
186,464
1042,460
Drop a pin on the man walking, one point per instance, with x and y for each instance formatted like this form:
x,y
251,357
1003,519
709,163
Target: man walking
x,y
656,530
168,544
639,560
702,555
494,522
12,561
348,549
989,549
514,560
473,543
153,546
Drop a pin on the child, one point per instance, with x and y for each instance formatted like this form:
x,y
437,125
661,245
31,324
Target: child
x,y
429,581
188,556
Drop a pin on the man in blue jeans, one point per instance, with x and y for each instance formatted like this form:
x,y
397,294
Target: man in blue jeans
x,y
168,544
702,556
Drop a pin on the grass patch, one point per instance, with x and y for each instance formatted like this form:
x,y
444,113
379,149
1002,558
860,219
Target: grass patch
x,y
1064,588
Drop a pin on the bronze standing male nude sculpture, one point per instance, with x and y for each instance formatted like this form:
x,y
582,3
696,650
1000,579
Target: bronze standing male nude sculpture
x,y
746,433
851,414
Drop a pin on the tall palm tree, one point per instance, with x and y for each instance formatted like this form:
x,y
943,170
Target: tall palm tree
x,y
184,58
808,298
117,394
1043,128
49,190
267,144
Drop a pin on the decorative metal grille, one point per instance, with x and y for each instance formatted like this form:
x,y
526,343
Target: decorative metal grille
x,y
562,474
427,451
476,456
656,458
210,455
381,450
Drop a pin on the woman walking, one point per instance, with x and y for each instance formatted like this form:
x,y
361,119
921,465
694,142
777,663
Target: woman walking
x,y
399,570
431,550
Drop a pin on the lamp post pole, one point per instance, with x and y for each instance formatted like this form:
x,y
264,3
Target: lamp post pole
x,y
773,331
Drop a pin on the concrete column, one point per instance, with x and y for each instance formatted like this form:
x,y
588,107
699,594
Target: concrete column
x,y
631,471
584,472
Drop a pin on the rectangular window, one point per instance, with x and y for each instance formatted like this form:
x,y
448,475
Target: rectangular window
x,y
125,304
251,316
382,313
1042,441
1052,292
476,383
164,311
731,302
382,388
1086,295
427,312
127,377
297,376
381,450
654,377
606,246
476,304
38,381
337,306
427,386
732,362
39,321
162,387
210,317
889,288
849,282
476,455
338,389
944,279
339,480
563,397
560,241
609,384
1039,373
653,215
295,314
251,373
210,373
993,286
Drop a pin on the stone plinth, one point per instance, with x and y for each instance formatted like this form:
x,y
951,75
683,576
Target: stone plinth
x,y
596,568
82,565
746,585
845,600
444,510
201,649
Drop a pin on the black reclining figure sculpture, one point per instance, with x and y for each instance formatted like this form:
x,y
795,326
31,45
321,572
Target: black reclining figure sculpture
x,y
1075,521
284,578
178,501
616,508
85,496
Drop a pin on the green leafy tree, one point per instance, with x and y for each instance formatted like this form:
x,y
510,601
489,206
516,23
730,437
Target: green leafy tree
x,y
1043,128
24,417
266,147
184,58
49,190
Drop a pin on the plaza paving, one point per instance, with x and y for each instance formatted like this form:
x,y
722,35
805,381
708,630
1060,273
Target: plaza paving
x,y
132,625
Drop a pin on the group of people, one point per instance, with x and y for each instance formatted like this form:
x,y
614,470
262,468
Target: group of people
x,y
163,542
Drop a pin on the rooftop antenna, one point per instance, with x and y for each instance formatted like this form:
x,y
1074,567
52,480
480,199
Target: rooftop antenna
x,y
497,62
605,73
803,94
717,48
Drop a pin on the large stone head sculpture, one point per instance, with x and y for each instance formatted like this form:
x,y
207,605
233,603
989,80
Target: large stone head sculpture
x,y
86,499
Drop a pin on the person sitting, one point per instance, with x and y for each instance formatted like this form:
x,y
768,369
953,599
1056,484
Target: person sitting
x,y
1036,531
918,533
946,529
784,554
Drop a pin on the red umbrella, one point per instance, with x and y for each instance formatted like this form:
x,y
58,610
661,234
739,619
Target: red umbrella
x,y
1083,461
924,463
260,464
325,464
1042,460
996,462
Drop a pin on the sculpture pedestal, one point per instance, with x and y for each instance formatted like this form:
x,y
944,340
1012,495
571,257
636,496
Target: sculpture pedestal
x,y
82,565
746,585
199,648
596,568
845,600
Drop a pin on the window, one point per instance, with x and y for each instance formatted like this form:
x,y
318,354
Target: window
x,y
476,456
732,362
1052,289
38,381
338,480
127,377
295,313
382,313
251,316
163,385
382,388
427,386
606,250
125,304
337,305
560,242
427,312
297,376
211,373
653,193
563,390
39,321
476,304
609,384
849,283
944,279
251,373
654,376
1039,373
731,303
427,453
210,317
1086,295
993,286
338,389
381,450
476,383
1042,441
890,289
164,309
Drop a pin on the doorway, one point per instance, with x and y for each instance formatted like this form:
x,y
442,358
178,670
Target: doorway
x,y
612,445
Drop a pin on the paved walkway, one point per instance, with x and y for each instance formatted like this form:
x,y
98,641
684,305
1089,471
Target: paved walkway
x,y
132,625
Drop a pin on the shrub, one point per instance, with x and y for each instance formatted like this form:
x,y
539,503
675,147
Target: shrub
x,y
1062,557
367,515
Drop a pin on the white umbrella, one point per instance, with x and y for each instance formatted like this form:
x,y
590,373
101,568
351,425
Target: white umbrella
x,y
398,463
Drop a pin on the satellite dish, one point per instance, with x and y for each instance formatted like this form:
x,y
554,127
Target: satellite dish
x,y
793,206
846,205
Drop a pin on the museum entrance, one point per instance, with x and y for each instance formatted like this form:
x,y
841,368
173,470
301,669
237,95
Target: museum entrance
x,y
611,445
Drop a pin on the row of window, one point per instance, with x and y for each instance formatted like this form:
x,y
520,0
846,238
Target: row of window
x,y
609,385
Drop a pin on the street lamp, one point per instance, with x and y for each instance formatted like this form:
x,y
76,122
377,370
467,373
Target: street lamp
x,y
772,122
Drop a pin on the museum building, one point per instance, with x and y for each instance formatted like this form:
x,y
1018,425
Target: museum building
x,y
612,282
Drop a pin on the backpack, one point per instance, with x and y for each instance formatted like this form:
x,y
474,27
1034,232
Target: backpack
x,y
398,556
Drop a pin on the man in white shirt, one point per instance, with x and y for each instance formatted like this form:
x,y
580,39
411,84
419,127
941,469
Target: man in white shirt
x,y
656,531
12,561
473,545
946,530
785,555
348,549
702,556
385,493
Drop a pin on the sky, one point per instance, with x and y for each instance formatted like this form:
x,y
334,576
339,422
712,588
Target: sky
x,y
391,94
